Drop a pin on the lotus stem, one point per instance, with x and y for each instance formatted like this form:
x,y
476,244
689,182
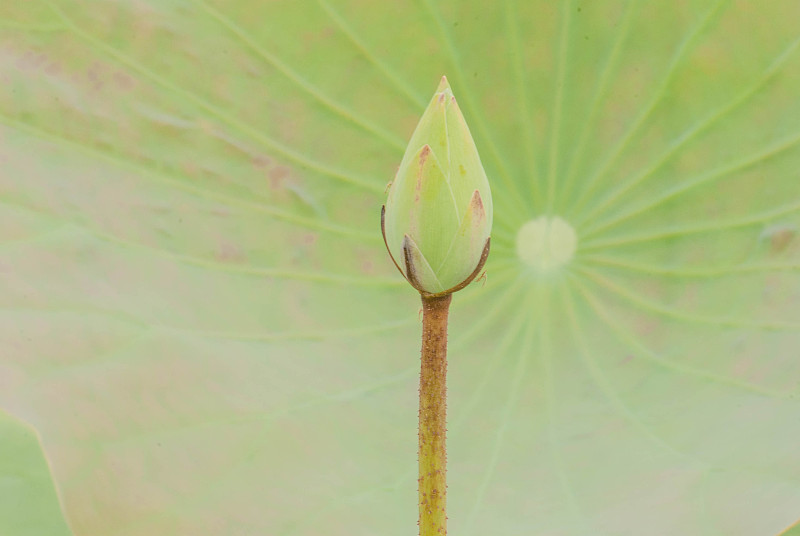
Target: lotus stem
x,y
433,417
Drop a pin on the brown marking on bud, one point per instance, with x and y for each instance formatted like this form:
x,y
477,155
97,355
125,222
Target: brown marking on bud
x,y
476,203
423,154
423,157
411,272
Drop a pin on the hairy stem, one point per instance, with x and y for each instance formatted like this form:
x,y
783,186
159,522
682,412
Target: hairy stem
x,y
433,417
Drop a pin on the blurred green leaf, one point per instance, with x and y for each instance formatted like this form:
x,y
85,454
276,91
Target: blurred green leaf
x,y
28,501
791,531
200,320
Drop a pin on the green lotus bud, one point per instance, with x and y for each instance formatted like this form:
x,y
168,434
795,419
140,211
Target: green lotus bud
x,y
437,220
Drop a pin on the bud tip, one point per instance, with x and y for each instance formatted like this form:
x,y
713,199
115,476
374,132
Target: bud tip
x,y
443,84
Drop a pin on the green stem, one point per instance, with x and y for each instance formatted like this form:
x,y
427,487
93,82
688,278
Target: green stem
x,y
433,417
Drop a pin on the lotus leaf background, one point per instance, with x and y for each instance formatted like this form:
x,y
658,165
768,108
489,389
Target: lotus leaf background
x,y
201,332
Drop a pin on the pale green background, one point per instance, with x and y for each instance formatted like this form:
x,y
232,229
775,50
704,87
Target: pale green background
x,y
199,321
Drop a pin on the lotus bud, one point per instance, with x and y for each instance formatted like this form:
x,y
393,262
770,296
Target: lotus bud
x,y
438,216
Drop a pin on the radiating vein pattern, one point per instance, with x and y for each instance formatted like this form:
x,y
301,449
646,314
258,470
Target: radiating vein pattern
x,y
199,319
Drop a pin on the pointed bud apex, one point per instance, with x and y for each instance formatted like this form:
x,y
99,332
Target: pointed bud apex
x,y
437,220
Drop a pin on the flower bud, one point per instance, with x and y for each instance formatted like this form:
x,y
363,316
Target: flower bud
x,y
438,217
